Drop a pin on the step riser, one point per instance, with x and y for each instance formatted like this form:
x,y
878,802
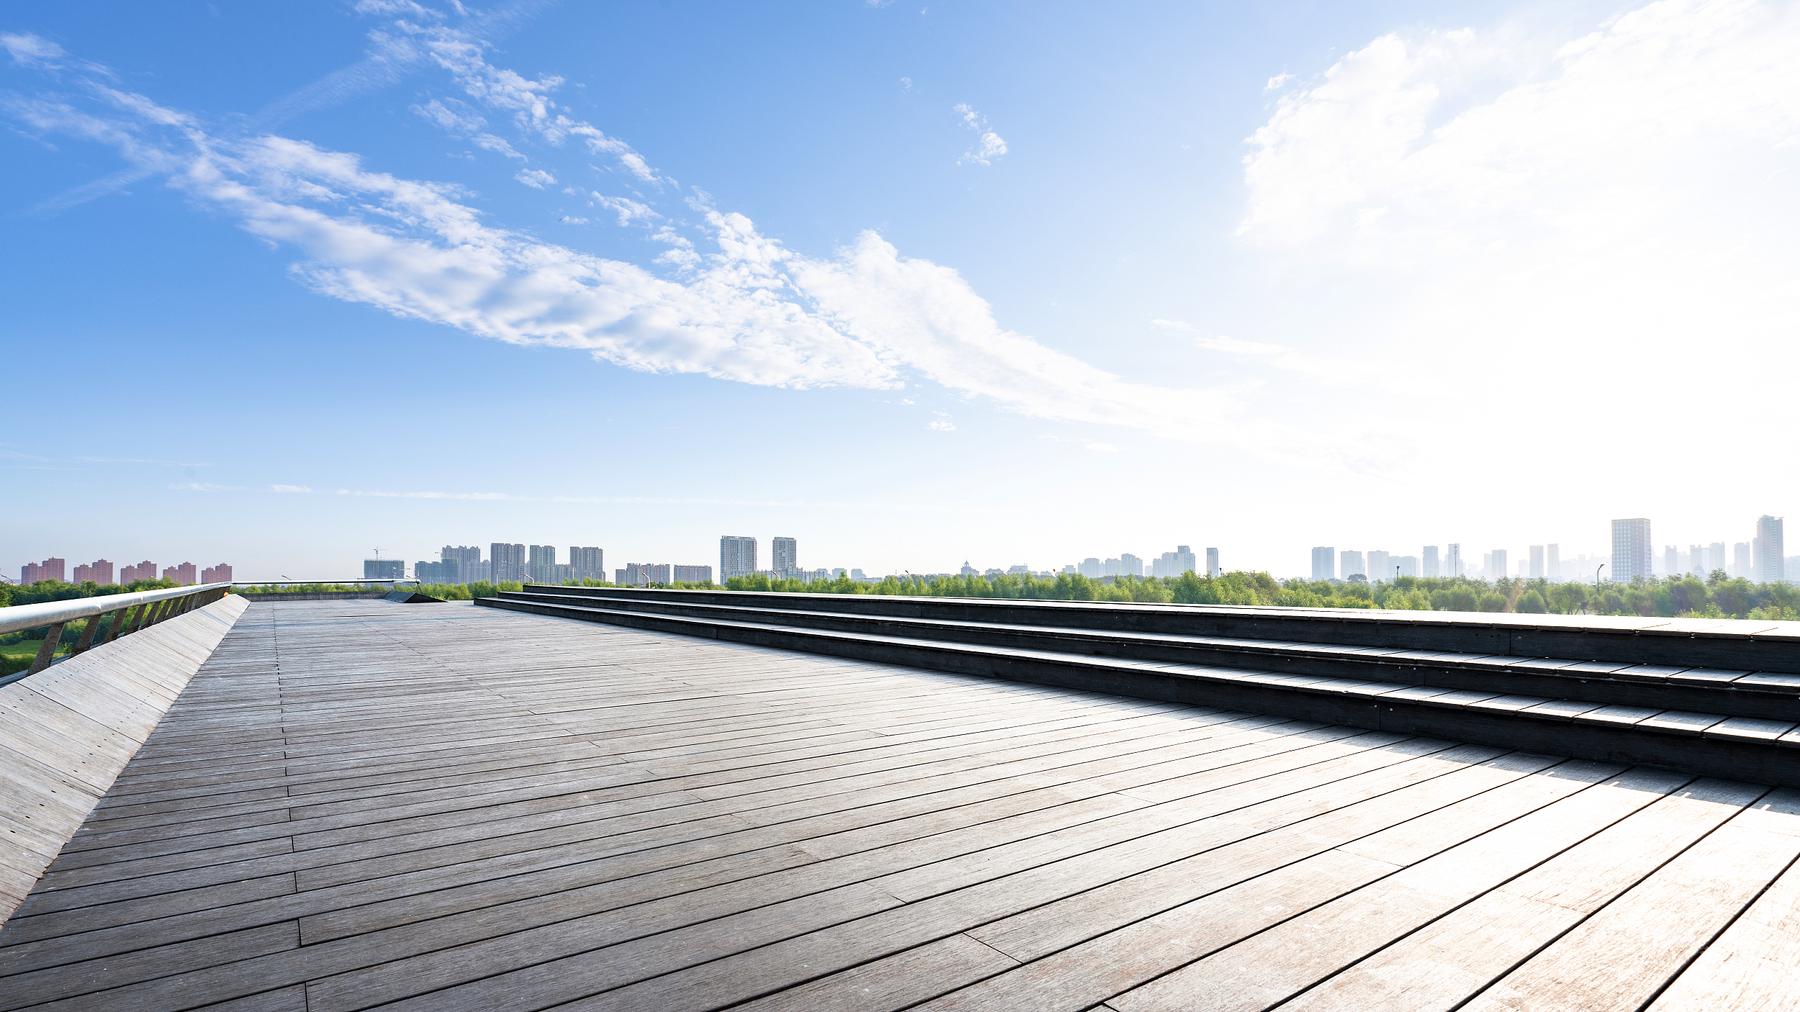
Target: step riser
x,y
1346,627
1729,702
1636,745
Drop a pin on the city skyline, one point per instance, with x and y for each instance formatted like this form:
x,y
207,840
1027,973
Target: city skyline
x,y
1361,260
739,555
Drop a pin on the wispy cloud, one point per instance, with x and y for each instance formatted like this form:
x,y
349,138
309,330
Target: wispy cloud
x,y
988,144
1277,356
537,179
28,50
738,305
291,489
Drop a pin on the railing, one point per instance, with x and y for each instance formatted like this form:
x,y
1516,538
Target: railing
x,y
129,612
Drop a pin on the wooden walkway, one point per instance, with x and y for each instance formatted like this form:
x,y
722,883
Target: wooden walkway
x,y
360,803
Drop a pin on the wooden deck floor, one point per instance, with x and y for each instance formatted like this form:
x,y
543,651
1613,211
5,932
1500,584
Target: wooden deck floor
x,y
360,803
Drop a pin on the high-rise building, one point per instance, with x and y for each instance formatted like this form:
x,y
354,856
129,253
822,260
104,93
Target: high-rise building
x,y
49,569
1553,562
1453,565
1091,568
784,556
182,575
1406,565
1324,563
1380,569
1430,567
540,563
98,571
461,563
145,570
1631,549
1770,563
1350,563
1496,565
643,574
693,574
737,556
1129,565
1715,558
1740,560
1212,561
1170,564
376,569
506,562
1671,561
1535,569
587,563
220,573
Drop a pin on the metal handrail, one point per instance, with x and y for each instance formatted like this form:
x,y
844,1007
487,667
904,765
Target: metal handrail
x,y
45,613
131,612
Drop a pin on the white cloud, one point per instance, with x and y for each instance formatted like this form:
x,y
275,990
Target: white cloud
x,y
1503,214
28,50
626,210
573,219
291,489
742,307
1278,82
988,145
906,84
941,425
537,179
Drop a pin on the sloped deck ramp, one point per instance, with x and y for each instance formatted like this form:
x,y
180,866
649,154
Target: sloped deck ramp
x,y
67,731
459,808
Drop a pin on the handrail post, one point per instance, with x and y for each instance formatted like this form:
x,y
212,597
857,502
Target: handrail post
x,y
46,649
122,620
87,636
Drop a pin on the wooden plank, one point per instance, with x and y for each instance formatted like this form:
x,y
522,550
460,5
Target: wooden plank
x,y
1625,953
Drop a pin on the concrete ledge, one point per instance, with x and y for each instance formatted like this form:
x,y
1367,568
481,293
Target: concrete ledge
x,y
67,731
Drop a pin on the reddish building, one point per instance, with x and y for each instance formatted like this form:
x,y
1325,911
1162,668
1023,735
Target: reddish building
x,y
220,573
182,575
98,571
145,570
37,572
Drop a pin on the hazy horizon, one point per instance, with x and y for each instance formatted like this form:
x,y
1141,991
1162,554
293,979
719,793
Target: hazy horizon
x,y
911,283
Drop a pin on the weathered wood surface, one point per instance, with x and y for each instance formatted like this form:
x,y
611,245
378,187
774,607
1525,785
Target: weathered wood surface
x,y
357,803
68,730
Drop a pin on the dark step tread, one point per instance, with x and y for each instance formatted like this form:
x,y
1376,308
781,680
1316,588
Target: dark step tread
x,y
1698,677
1747,730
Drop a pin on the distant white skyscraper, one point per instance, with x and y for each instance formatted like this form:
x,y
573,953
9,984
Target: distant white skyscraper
x,y
1324,563
1631,549
506,562
1740,560
587,563
1430,565
1130,565
1536,569
1406,565
784,554
737,556
1091,568
1350,563
1553,562
1496,565
1453,565
1671,561
1212,561
540,565
1380,570
1770,563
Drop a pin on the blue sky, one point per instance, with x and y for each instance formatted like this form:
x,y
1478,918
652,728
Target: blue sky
x,y
913,282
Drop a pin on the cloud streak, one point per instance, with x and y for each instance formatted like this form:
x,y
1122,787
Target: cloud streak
x,y
736,306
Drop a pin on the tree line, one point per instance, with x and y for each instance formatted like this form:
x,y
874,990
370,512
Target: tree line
x,y
1716,596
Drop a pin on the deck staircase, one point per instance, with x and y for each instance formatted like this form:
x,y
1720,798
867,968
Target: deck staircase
x,y
1716,698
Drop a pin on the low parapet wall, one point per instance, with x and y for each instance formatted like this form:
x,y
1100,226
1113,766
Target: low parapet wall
x,y
67,731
